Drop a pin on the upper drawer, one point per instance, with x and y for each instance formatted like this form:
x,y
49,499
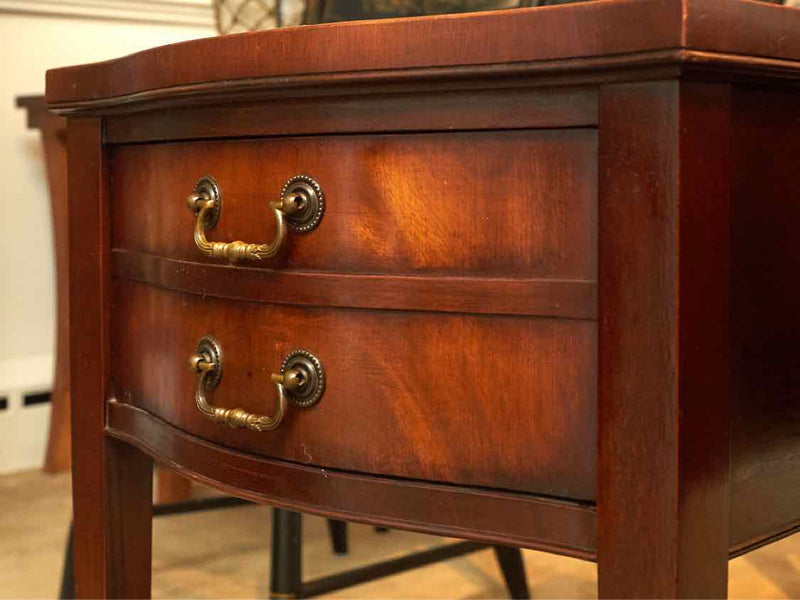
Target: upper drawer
x,y
499,203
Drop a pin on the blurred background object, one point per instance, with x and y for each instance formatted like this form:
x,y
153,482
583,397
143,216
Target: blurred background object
x,y
321,11
38,35
53,131
234,16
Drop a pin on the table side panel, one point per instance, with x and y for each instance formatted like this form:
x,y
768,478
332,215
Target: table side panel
x,y
663,367
765,321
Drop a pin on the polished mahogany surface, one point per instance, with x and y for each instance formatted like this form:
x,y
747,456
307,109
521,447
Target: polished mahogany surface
x,y
765,323
553,289
535,39
512,204
457,511
409,394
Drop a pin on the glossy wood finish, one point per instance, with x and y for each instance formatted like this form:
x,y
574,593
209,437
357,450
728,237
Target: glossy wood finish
x,y
663,417
298,50
128,531
769,33
410,204
112,482
397,395
456,511
765,325
54,143
89,251
508,107
494,296
537,37
688,247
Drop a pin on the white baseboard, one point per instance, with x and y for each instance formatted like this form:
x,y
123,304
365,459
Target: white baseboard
x,y
24,429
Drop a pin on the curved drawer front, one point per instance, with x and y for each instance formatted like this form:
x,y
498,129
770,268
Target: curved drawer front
x,y
493,401
499,204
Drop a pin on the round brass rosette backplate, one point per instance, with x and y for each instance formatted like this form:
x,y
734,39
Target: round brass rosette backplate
x,y
314,386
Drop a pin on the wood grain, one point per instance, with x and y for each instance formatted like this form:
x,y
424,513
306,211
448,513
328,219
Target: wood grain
x,y
663,415
357,47
89,303
765,378
495,296
500,107
740,35
518,394
504,204
637,431
703,414
129,498
758,29
462,512
111,482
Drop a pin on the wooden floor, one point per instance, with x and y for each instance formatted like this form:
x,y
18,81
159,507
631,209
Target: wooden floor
x,y
225,554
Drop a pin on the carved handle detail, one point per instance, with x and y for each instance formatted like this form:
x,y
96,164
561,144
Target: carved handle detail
x,y
300,207
301,382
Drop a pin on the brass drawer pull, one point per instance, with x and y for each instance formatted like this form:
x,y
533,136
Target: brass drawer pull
x,y
301,382
300,207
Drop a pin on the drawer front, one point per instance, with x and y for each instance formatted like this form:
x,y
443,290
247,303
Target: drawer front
x,y
494,401
498,203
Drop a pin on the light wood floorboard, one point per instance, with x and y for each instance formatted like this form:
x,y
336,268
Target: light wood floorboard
x,y
224,554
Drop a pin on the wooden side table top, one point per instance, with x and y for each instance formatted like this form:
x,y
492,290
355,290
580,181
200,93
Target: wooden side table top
x,y
524,277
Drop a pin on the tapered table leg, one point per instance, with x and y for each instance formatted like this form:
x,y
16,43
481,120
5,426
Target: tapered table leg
x,y
663,340
112,482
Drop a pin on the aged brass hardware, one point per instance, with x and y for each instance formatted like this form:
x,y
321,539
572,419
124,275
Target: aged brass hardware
x,y
300,207
301,382
308,391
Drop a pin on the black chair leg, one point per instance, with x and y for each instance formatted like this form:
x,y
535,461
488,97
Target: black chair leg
x,y
510,560
338,531
67,577
286,573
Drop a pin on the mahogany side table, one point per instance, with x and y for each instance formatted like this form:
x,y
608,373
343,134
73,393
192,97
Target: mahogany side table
x,y
524,277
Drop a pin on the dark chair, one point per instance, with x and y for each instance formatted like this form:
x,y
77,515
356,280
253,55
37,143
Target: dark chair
x,y
286,569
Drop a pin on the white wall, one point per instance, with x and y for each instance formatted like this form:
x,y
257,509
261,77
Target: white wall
x,y
34,37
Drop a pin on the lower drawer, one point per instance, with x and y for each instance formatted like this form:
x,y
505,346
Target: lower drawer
x,y
492,401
